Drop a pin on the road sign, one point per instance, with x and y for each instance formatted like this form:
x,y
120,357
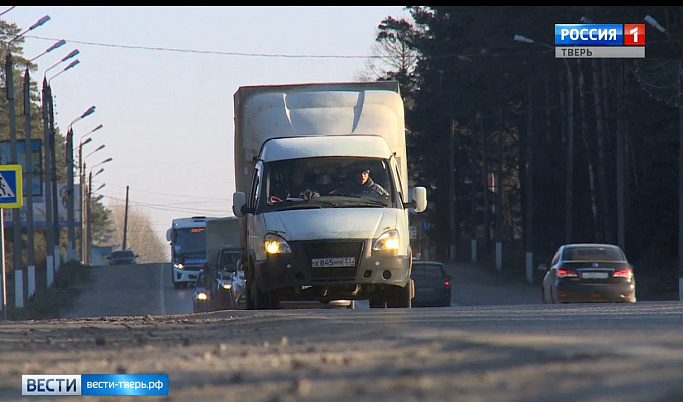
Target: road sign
x,y
11,195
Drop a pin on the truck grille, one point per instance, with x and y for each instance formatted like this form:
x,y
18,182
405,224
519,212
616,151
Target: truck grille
x,y
325,249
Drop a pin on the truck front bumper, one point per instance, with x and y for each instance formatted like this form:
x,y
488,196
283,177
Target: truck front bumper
x,y
296,271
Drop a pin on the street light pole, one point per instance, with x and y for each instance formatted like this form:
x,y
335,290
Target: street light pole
x,y
88,226
83,190
81,180
52,213
71,253
49,231
28,173
16,215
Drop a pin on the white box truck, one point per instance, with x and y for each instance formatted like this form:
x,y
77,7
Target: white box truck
x,y
309,230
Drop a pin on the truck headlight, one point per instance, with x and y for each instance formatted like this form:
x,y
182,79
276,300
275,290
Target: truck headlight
x,y
178,265
275,244
387,241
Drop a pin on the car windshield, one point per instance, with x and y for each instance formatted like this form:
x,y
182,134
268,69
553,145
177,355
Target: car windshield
x,y
122,254
229,257
190,240
593,254
426,271
333,182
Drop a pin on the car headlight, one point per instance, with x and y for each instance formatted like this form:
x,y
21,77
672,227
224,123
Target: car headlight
x,y
202,296
225,284
275,244
388,240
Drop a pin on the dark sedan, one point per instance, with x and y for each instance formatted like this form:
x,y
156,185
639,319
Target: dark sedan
x,y
122,257
201,297
588,272
432,284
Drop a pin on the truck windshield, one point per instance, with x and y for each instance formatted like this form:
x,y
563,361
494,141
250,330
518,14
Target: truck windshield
x,y
190,241
327,182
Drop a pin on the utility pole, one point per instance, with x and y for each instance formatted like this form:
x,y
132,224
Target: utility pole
x,y
125,221
529,188
451,193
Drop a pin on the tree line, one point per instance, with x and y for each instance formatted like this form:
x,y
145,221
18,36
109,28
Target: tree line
x,y
543,150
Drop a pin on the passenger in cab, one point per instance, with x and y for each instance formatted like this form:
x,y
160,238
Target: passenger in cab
x,y
363,186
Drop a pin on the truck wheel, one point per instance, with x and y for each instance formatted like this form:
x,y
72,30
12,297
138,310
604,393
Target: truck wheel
x,y
399,297
376,301
249,299
256,296
263,300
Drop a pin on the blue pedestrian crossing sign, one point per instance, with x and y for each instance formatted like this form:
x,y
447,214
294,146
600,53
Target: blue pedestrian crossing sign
x,y
11,195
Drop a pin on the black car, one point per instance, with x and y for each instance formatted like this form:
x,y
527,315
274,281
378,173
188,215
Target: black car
x,y
588,272
201,297
432,284
221,289
229,288
121,257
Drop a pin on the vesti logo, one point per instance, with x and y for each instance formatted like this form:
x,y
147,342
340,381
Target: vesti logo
x,y
600,34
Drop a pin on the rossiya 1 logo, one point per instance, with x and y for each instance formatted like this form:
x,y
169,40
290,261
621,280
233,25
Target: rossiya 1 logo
x,y
634,34
600,34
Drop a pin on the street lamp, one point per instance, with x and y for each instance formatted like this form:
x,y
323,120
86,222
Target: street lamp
x,y
652,22
16,218
71,255
28,173
50,155
81,170
88,243
570,141
81,143
83,190
4,12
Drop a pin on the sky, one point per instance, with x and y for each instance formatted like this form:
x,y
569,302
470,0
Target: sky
x,y
162,80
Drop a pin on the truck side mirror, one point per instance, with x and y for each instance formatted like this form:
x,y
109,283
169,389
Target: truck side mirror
x,y
419,196
239,201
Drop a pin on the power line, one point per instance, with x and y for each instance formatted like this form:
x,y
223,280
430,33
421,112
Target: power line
x,y
184,197
213,52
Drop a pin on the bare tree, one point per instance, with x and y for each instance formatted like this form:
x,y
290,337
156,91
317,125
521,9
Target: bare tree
x,y
140,235
393,56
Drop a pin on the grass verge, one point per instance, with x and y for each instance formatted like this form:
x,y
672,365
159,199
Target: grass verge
x,y
69,282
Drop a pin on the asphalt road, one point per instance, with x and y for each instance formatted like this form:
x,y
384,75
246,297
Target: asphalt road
x,y
471,351
146,289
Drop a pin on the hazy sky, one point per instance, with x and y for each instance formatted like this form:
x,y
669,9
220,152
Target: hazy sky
x,y
163,78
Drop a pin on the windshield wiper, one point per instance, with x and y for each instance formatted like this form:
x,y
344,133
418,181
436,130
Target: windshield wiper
x,y
334,201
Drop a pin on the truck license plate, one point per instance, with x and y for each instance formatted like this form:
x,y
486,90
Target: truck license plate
x,y
333,262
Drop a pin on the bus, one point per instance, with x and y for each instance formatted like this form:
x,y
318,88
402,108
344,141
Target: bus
x,y
187,237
